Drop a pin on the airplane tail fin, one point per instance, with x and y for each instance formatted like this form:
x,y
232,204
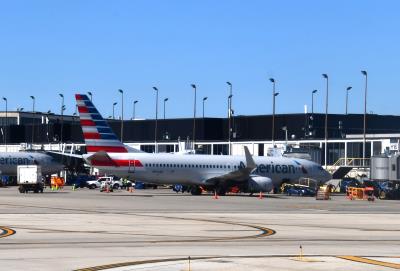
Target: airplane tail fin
x,y
250,164
96,131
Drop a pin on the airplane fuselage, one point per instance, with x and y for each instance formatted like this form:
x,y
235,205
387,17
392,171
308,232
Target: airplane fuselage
x,y
196,169
9,161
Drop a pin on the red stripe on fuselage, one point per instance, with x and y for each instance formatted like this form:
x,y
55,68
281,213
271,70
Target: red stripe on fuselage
x,y
117,163
127,163
105,148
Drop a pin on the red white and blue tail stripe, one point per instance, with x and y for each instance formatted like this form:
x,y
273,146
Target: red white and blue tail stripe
x,y
96,131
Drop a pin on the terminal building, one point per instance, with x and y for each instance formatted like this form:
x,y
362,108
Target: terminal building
x,y
305,132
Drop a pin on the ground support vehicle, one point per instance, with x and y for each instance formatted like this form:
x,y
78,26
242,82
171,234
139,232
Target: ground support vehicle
x,y
93,184
80,181
300,190
360,193
324,193
29,178
389,190
348,182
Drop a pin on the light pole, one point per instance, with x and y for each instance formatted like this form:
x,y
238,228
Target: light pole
x,y
122,114
274,94
311,119
194,116
229,113
113,111
5,128
284,128
47,126
165,100
347,97
33,119
312,101
204,100
134,109
365,114
62,116
229,124
324,75
91,95
155,126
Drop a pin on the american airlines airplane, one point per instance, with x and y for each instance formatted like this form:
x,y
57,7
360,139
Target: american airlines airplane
x,y
9,161
211,172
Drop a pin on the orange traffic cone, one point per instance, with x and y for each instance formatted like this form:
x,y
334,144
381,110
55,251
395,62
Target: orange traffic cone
x,y
107,189
261,195
215,195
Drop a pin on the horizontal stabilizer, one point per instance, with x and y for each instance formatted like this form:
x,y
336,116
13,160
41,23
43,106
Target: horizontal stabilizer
x,y
101,158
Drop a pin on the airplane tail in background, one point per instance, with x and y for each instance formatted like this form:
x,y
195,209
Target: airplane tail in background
x,y
96,131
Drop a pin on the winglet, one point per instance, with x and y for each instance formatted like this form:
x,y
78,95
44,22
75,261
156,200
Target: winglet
x,y
249,159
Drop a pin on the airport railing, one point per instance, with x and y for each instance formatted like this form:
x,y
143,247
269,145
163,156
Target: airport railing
x,y
353,162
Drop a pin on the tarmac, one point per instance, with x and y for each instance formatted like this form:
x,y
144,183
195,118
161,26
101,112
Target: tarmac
x,y
160,229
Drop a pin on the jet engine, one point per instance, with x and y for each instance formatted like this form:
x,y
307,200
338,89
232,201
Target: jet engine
x,y
259,184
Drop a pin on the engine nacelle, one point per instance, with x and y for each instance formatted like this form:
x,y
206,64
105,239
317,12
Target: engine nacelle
x,y
259,184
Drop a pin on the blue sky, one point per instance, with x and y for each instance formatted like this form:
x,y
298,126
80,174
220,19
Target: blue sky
x,y
51,47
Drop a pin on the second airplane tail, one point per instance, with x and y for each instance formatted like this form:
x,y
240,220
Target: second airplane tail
x,y
96,131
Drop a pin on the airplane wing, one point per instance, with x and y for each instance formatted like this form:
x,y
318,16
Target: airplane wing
x,y
239,175
63,154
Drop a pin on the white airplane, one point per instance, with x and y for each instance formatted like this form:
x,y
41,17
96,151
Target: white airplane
x,y
216,172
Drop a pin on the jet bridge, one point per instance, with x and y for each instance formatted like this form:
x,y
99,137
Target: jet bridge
x,y
343,166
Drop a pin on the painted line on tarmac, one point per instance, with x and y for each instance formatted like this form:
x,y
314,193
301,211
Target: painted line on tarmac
x,y
116,265
5,232
264,231
370,261
155,261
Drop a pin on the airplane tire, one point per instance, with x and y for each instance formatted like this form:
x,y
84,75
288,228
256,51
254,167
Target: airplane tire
x,y
221,191
196,191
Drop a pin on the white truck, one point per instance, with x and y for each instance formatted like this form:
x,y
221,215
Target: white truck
x,y
107,180
29,178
